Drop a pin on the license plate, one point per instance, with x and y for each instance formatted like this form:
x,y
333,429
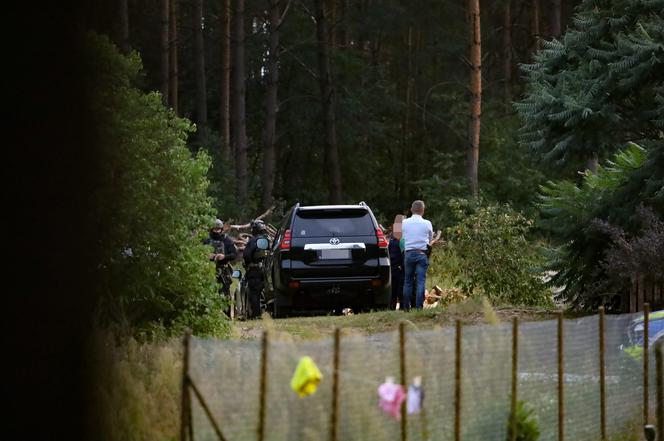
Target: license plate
x,y
334,254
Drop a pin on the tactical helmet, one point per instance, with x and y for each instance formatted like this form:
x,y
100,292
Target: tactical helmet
x,y
258,227
218,223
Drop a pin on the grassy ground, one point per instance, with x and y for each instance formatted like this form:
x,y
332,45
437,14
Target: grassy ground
x,y
469,312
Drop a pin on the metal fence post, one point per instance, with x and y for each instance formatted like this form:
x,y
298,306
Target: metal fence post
x,y
602,376
561,379
646,373
263,387
335,385
515,361
185,403
402,366
659,355
457,384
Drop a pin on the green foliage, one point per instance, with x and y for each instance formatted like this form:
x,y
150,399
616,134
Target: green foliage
x,y
493,256
508,174
153,208
611,195
527,428
599,86
596,90
638,255
221,176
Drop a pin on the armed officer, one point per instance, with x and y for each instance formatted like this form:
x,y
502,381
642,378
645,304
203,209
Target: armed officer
x,y
223,253
253,263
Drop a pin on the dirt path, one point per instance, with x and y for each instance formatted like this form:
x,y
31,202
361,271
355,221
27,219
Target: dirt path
x,y
383,321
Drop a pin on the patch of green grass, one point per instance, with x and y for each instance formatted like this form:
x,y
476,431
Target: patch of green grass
x,y
470,311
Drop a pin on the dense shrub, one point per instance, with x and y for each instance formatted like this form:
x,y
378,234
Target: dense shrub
x,y
493,256
153,208
630,256
587,219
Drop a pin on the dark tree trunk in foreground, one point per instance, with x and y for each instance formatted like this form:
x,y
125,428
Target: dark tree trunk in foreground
x,y
123,25
331,10
345,32
476,96
225,107
271,106
535,30
332,166
406,130
555,18
507,55
238,103
592,163
164,48
173,57
199,66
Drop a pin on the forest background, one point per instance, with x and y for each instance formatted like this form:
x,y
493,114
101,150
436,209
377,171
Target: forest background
x,y
102,166
535,127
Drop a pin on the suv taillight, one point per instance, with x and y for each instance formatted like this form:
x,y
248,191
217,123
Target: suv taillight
x,y
382,242
285,242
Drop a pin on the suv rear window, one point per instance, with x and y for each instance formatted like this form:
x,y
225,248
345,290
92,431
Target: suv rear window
x,y
330,222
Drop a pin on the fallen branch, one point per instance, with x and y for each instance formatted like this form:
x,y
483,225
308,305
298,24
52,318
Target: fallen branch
x,y
248,225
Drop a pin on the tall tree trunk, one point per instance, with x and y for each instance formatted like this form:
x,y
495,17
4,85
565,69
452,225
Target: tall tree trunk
x,y
332,13
593,162
406,131
555,18
173,57
124,26
199,66
507,55
271,106
332,166
345,33
164,49
417,78
476,96
239,123
535,31
224,111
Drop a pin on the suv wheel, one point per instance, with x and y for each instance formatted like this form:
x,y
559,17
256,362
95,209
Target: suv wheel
x,y
278,311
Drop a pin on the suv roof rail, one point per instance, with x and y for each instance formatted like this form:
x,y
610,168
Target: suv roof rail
x,y
362,203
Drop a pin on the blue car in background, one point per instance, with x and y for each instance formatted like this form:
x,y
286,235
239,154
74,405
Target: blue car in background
x,y
635,334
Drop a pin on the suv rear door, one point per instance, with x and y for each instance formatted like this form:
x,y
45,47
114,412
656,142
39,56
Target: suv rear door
x,y
333,242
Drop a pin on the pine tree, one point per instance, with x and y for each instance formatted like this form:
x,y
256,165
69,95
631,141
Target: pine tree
x,y
599,86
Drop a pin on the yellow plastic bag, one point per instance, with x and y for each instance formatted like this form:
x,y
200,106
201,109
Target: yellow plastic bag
x,y
306,377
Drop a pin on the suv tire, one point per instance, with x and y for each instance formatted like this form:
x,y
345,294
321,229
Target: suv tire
x,y
279,311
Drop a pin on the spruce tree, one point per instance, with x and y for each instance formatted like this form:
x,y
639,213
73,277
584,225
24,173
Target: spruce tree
x,y
596,91
599,86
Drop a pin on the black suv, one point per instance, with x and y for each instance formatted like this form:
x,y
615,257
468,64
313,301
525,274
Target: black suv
x,y
327,257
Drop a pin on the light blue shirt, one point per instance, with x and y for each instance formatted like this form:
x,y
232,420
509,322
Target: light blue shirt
x,y
417,232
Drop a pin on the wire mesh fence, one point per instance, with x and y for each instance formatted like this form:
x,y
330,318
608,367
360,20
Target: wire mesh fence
x,y
480,370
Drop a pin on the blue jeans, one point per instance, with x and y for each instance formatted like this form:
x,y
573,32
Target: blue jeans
x,y
416,268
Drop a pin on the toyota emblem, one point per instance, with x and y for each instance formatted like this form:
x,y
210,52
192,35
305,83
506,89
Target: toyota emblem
x,y
334,241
